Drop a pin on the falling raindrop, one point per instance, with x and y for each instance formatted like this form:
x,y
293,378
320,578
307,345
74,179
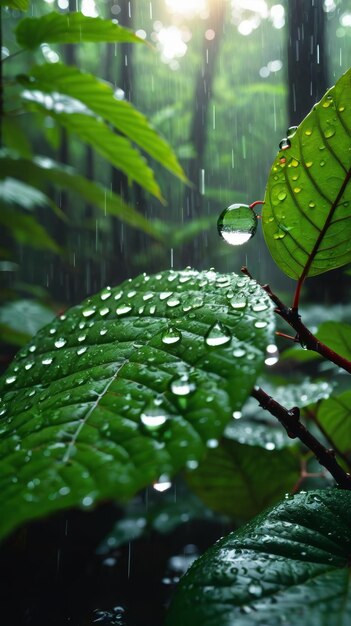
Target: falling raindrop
x,y
237,224
218,335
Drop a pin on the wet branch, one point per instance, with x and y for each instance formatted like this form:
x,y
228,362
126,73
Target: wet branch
x,y
304,336
290,419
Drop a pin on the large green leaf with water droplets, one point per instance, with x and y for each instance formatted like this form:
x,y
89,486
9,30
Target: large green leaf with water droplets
x,y
135,383
306,215
99,97
290,565
70,28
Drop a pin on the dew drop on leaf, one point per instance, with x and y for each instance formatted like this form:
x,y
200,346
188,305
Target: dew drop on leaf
x,y
237,224
218,335
182,386
171,335
59,343
47,361
152,419
284,144
88,312
123,309
291,131
10,379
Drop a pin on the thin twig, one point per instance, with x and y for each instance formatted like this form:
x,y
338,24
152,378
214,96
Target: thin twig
x,y
304,336
290,419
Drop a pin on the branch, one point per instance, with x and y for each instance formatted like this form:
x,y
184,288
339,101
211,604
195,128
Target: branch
x,y
304,336
290,419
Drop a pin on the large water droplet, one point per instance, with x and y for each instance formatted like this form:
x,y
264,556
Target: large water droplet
x,y
153,418
218,335
88,312
163,483
284,144
59,343
237,224
171,335
106,293
10,379
182,386
291,131
47,361
123,309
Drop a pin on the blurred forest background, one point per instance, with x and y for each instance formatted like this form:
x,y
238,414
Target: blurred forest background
x,y
222,82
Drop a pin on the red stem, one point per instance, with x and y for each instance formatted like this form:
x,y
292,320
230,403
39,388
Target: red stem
x,y
251,206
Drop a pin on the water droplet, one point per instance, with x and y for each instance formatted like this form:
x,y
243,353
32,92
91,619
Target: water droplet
x,y
81,350
192,464
261,324
218,335
52,331
47,361
118,295
10,379
106,293
182,386
88,312
284,144
173,302
123,309
212,443
270,445
260,306
87,501
297,189
29,365
255,589
148,296
239,352
171,335
59,343
237,415
341,109
311,204
103,331
165,294
82,337
153,418
163,483
104,311
291,131
322,163
32,348
238,303
308,132
329,132
237,224
281,195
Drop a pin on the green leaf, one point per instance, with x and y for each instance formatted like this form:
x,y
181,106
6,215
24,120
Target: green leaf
x,y
99,97
70,28
334,415
76,118
288,566
25,229
306,216
15,192
25,317
241,479
41,170
127,388
20,5
15,138
336,335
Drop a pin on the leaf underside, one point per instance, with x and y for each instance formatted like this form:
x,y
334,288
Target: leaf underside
x,y
290,565
124,389
306,216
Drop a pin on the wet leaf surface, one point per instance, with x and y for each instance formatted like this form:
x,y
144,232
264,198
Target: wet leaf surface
x,y
289,565
124,389
306,215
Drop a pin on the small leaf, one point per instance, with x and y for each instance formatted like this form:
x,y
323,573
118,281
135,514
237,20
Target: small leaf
x,y
334,415
288,566
98,406
25,317
78,119
240,479
306,215
70,28
25,229
99,97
